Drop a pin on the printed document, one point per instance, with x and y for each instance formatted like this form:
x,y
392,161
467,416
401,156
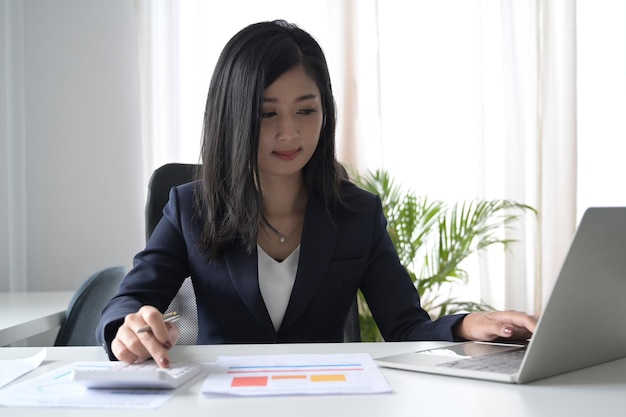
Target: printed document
x,y
11,369
295,375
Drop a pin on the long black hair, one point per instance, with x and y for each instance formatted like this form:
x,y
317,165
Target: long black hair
x,y
230,204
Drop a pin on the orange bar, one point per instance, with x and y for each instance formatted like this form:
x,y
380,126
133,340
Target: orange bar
x,y
288,376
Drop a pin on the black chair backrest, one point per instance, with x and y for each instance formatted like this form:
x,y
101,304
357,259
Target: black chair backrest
x,y
162,180
83,313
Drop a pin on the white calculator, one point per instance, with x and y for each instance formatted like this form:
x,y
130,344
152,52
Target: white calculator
x,y
145,375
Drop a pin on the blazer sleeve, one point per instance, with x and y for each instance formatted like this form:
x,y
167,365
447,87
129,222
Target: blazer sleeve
x,y
392,296
158,270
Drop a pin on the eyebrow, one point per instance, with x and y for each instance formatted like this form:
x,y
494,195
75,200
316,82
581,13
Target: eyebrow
x,y
298,99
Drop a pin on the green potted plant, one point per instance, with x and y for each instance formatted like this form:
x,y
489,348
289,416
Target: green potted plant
x,y
433,239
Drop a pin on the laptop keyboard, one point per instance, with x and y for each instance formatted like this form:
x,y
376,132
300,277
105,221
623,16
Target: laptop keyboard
x,y
501,362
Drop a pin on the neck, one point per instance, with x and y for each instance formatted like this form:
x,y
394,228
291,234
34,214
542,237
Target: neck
x,y
284,203
284,197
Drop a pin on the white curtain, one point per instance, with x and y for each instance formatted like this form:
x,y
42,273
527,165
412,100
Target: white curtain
x,y
601,90
458,99
478,100
557,143
460,121
158,39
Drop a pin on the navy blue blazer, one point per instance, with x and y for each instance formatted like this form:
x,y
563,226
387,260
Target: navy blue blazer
x,y
341,251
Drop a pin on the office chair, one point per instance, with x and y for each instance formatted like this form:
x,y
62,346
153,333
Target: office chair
x,y
83,313
162,180
159,186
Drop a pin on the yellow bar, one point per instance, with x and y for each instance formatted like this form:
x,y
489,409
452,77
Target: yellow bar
x,y
328,378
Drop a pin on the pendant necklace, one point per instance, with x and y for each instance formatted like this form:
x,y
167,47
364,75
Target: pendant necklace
x,y
281,237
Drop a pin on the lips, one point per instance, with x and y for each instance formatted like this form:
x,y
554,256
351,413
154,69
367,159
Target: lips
x,y
287,155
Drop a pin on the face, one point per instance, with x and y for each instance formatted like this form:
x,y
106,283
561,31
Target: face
x,y
291,121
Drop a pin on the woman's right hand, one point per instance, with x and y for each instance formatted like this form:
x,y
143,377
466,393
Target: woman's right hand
x,y
131,347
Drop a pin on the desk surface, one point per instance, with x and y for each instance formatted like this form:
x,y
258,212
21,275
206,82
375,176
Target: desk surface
x,y
25,314
593,391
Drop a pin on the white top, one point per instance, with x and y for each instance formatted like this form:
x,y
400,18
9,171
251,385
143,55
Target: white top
x,y
276,282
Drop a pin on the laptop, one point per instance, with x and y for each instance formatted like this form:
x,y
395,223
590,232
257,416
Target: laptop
x,y
583,323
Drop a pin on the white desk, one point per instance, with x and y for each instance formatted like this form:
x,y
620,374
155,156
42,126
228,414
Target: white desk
x,y
25,314
594,391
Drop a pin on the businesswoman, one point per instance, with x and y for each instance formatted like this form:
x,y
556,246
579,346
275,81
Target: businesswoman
x,y
276,241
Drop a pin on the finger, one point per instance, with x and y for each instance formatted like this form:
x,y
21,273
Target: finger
x,y
513,324
155,349
158,340
131,346
127,347
512,332
121,352
515,320
158,327
495,329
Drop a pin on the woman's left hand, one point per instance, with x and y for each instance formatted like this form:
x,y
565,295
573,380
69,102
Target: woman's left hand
x,y
494,325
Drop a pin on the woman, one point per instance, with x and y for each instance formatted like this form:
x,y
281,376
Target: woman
x,y
277,242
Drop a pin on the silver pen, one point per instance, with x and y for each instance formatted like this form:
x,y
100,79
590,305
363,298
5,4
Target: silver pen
x,y
170,317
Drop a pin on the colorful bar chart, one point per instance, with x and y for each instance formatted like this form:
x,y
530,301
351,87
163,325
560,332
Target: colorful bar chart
x,y
295,374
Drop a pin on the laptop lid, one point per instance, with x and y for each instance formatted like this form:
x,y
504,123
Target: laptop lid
x,y
584,321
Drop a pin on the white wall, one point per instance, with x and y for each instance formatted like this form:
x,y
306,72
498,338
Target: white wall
x,y
69,141
4,226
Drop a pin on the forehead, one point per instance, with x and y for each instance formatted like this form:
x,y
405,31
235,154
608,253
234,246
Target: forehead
x,y
293,83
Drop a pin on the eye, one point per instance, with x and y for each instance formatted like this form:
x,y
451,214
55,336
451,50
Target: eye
x,y
306,112
268,114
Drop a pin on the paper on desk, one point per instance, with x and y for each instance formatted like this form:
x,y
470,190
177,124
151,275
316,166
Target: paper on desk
x,y
56,389
295,374
11,369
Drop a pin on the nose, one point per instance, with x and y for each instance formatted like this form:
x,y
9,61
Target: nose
x,y
287,128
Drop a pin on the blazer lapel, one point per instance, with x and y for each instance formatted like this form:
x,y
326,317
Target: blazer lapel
x,y
319,235
243,270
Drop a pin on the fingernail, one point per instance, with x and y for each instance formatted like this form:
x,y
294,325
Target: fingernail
x,y
165,362
508,331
